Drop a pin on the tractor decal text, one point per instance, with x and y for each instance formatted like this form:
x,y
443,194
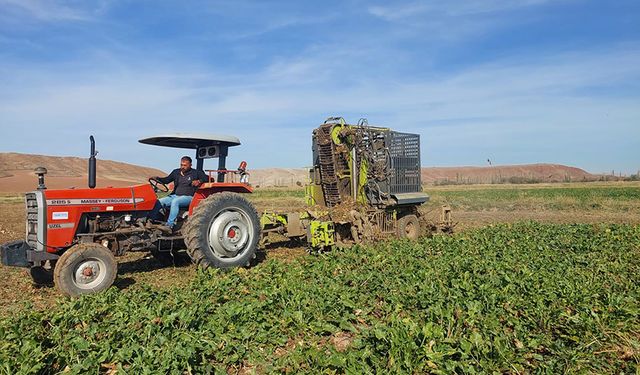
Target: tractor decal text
x,y
92,201
60,225
60,215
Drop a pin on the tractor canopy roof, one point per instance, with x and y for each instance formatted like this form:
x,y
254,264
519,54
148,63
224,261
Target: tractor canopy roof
x,y
191,140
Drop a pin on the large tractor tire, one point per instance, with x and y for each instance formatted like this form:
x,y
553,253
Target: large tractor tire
x,y
223,232
84,269
408,227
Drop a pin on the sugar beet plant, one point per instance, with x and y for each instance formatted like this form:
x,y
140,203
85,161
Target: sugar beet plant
x,y
503,299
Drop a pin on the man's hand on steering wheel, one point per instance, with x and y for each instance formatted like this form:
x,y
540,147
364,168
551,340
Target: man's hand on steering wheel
x,y
157,185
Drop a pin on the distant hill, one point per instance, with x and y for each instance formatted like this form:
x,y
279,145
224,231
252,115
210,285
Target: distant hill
x,y
526,173
450,175
16,173
279,176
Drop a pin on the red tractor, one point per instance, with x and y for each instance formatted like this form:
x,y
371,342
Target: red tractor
x,y
75,234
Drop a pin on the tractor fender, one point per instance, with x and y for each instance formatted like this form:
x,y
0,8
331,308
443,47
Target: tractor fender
x,y
213,188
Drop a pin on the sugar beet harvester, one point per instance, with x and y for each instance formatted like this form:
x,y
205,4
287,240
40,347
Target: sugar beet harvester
x,y
365,184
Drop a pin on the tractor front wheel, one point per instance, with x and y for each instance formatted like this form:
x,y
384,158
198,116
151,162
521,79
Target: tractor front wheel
x,y
223,231
84,269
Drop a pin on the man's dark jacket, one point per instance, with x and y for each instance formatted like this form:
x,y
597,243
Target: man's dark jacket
x,y
182,183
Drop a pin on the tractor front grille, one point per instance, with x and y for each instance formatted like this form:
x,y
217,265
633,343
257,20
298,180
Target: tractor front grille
x,y
35,230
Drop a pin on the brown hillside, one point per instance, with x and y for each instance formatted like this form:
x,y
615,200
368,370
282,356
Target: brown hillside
x,y
279,176
442,175
16,172
505,174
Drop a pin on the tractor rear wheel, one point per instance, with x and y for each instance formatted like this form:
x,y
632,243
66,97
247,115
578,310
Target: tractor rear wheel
x,y
408,227
84,269
223,232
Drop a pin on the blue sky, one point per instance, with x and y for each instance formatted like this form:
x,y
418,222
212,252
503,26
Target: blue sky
x,y
513,81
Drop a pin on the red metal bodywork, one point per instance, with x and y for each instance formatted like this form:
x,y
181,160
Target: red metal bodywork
x,y
65,208
209,188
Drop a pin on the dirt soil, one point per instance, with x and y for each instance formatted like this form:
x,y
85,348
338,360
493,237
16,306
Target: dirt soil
x,y
16,289
475,219
134,269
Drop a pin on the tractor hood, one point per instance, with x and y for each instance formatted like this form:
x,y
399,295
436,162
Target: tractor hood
x,y
191,140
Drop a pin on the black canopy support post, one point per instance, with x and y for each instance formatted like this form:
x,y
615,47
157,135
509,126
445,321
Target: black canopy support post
x,y
199,164
222,163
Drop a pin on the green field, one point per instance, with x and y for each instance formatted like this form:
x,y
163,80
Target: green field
x,y
586,197
512,298
539,278
478,205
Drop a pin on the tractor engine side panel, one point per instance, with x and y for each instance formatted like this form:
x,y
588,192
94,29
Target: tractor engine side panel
x,y
65,209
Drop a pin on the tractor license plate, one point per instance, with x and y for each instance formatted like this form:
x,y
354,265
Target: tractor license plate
x,y
14,254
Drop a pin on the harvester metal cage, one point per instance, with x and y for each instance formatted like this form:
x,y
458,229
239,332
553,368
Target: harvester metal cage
x,y
371,165
404,149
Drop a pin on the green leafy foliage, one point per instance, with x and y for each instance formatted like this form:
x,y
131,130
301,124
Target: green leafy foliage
x,y
578,197
517,298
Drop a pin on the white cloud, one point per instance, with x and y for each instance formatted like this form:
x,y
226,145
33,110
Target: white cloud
x,y
394,13
517,110
281,21
453,8
455,20
47,10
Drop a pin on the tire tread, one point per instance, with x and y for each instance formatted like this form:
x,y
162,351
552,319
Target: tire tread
x,y
197,223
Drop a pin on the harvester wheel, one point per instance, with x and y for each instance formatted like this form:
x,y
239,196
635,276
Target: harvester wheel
x,y
84,269
223,232
409,227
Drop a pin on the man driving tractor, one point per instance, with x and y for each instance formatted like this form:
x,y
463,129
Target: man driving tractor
x,y
185,183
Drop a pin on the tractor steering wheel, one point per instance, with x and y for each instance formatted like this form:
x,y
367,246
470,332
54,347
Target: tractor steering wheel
x,y
158,186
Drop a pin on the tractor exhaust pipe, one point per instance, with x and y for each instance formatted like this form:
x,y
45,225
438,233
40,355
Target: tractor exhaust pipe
x,y
92,164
